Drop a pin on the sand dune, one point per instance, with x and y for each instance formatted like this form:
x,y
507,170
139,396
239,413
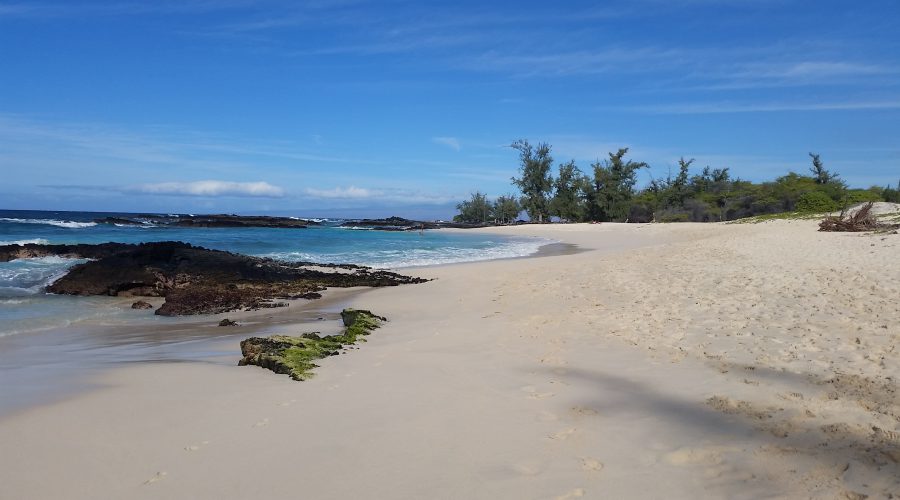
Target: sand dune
x,y
664,361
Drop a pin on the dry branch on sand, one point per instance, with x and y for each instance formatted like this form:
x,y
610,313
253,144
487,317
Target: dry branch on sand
x,y
859,221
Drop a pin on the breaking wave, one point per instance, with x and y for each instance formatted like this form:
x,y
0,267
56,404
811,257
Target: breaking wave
x,y
53,222
419,257
33,241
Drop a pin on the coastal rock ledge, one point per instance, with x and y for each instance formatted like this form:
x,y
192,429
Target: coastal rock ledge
x,y
196,280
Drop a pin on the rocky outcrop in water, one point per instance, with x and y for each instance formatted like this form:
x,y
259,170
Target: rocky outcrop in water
x,y
80,251
401,224
221,220
197,280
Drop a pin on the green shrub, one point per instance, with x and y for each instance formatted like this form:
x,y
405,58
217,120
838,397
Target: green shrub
x,y
855,196
816,202
673,217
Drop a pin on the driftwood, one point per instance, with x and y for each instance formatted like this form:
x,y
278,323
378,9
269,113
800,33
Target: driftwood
x,y
862,220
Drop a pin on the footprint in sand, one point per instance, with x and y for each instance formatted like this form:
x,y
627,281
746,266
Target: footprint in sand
x,y
584,411
576,493
711,455
158,477
195,447
262,423
533,394
562,435
554,361
591,464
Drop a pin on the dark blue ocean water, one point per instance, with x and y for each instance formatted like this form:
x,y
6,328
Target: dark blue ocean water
x,y
24,307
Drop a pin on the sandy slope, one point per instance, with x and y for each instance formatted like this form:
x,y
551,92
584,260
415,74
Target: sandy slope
x,y
667,361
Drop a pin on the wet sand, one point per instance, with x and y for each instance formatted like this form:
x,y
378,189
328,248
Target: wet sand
x,y
59,363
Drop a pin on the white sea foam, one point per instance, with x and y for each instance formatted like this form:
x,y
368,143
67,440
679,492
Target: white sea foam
x,y
34,241
23,277
421,257
53,222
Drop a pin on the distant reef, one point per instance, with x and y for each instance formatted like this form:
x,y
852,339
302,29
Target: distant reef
x,y
401,224
221,220
196,280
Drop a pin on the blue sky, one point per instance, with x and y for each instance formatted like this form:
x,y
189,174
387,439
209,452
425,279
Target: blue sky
x,y
346,107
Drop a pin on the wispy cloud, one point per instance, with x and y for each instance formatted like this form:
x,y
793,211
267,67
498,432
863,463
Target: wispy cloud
x,y
450,142
381,195
154,147
210,188
343,193
730,107
39,9
579,62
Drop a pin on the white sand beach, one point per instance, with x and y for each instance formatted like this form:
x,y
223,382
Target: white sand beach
x,y
662,361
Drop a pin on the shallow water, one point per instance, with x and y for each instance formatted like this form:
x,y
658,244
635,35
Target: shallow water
x,y
25,308
50,345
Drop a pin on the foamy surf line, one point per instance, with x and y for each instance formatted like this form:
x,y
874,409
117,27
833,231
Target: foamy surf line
x,y
33,241
397,259
52,222
30,276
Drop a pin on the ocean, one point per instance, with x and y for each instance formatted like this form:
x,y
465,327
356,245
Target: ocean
x,y
25,308
50,345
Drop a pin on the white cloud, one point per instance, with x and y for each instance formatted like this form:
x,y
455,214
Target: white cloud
x,y
450,142
211,188
351,192
381,196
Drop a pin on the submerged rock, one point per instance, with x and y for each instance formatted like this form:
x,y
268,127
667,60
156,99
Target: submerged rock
x,y
294,356
141,304
196,280
228,322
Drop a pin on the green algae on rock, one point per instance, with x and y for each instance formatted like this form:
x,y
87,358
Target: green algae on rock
x,y
294,356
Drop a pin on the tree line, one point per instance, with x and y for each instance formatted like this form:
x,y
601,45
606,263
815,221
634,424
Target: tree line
x,y
607,192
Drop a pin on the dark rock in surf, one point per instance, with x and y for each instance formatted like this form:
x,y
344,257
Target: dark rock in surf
x,y
196,280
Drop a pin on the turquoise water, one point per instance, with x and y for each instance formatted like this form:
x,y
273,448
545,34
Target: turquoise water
x,y
24,307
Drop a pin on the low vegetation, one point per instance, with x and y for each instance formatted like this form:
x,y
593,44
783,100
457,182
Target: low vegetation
x,y
295,356
607,192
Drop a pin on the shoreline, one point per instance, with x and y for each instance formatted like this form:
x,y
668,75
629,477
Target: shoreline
x,y
71,358
662,361
195,335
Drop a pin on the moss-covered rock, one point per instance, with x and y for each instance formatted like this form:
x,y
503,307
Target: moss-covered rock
x,y
295,356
